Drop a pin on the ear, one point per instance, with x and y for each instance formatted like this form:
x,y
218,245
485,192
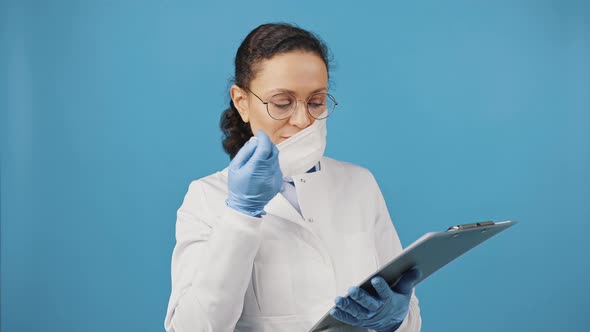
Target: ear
x,y
240,99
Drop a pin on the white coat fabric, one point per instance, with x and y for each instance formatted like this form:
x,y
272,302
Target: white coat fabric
x,y
281,272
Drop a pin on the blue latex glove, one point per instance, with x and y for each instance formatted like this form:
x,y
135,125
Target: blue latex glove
x,y
384,312
254,176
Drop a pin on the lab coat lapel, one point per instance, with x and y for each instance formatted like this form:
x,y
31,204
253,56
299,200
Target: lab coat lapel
x,y
280,207
308,186
312,200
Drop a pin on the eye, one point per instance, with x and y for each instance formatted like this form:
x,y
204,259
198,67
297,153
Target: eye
x,y
316,102
283,104
281,101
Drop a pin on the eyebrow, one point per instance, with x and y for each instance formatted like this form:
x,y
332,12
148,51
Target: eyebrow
x,y
293,92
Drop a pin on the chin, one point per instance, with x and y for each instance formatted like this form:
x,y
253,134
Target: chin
x,y
282,139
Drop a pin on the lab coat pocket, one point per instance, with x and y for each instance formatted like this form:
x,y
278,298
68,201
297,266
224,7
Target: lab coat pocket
x,y
272,279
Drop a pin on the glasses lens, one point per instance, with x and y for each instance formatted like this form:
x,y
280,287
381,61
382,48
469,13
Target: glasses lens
x,y
321,105
281,106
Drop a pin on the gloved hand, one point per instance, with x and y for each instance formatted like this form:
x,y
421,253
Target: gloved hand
x,y
254,176
384,312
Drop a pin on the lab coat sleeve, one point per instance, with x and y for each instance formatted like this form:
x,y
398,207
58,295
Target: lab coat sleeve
x,y
388,246
211,266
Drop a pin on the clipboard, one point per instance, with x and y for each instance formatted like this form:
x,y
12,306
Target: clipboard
x,y
428,254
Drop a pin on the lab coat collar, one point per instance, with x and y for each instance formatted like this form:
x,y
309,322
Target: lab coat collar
x,y
317,169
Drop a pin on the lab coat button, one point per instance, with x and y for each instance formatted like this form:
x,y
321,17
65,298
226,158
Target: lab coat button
x,y
302,180
310,219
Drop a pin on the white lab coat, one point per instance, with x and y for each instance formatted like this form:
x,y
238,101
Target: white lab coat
x,y
281,272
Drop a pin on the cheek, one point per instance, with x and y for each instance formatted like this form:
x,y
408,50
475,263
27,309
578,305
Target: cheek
x,y
270,126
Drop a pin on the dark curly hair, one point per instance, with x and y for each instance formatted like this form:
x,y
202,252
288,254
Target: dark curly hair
x,y
263,43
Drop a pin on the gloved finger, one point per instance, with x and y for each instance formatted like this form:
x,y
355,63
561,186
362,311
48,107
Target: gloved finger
x,y
264,146
245,153
406,283
382,288
365,299
344,316
274,158
351,307
274,153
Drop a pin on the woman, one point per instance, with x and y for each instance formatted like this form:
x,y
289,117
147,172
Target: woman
x,y
268,243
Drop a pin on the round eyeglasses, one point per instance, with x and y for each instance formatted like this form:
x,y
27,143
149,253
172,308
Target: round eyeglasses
x,y
283,105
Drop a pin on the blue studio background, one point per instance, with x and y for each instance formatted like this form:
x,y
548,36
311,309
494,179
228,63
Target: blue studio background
x,y
463,110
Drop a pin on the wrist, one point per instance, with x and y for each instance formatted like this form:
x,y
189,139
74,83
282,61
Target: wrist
x,y
392,328
250,211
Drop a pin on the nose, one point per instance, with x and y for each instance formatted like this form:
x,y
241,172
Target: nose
x,y
300,117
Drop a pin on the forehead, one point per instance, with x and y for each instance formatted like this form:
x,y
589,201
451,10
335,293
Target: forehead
x,y
301,72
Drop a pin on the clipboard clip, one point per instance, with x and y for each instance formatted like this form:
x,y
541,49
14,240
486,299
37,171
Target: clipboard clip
x,y
469,226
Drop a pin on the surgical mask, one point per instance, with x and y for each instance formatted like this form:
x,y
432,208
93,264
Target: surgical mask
x,y
302,151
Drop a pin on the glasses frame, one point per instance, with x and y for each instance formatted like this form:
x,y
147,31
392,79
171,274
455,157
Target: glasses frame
x,y
296,103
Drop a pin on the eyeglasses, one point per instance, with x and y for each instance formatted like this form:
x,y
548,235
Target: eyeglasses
x,y
283,105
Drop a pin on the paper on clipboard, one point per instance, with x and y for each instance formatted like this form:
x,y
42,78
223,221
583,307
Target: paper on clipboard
x,y
428,254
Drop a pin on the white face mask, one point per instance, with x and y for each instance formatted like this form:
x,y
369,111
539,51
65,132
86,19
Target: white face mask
x,y
302,151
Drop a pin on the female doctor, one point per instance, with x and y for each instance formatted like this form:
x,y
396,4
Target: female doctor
x,y
273,241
